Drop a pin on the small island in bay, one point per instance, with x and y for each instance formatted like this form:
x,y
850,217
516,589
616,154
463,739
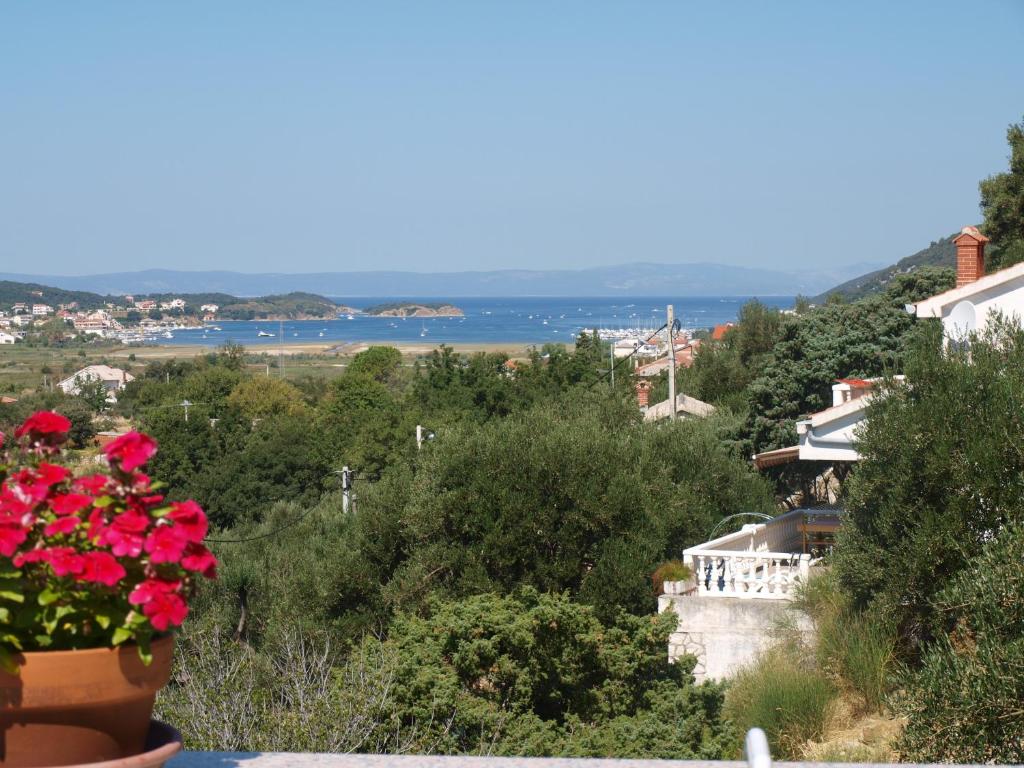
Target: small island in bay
x,y
413,309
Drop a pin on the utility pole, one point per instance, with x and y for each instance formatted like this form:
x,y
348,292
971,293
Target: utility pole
x,y
670,320
611,360
185,404
346,489
419,437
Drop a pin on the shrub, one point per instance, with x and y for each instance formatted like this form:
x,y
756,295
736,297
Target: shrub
x,y
856,649
785,696
964,703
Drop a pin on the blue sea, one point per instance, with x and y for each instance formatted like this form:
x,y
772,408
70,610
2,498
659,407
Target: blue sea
x,y
487,320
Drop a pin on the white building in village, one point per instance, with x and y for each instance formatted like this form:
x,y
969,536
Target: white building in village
x,y
114,380
7,338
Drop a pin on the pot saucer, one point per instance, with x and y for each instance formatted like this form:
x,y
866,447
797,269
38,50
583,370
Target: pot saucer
x,y
162,743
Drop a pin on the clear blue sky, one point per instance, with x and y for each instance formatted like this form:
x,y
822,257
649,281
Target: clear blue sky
x,y
303,136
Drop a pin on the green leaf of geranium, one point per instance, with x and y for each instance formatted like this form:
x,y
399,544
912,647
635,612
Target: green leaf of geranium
x,y
7,661
8,594
48,596
102,619
120,635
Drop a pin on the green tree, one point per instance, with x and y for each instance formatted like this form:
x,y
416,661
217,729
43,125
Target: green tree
x,y
939,474
379,363
551,498
1002,203
260,398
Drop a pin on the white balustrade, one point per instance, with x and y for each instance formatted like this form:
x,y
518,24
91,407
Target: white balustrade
x,y
762,561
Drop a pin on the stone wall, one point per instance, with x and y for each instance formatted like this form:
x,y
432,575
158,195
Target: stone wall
x,y
725,633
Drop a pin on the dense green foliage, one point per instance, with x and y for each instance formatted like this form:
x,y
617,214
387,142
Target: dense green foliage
x,y
522,674
490,592
964,703
940,473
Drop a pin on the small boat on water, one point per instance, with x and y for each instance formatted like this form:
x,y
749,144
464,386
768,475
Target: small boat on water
x,y
167,335
264,334
424,331
349,317
321,333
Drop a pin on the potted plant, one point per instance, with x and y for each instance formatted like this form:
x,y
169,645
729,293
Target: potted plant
x,y
95,572
669,578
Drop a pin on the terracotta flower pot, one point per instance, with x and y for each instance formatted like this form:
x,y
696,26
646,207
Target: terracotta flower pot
x,y
68,707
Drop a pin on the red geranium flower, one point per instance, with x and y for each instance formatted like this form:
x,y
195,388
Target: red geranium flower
x,y
150,588
165,544
32,556
61,525
69,503
124,535
198,558
44,423
130,450
51,474
102,568
93,484
65,561
11,537
190,519
165,610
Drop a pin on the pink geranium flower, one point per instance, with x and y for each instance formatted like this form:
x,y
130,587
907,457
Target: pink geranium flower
x,y
131,450
165,544
199,559
104,544
190,519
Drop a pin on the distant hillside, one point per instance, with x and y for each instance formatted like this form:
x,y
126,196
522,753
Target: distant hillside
x,y
295,306
639,279
413,309
34,293
941,253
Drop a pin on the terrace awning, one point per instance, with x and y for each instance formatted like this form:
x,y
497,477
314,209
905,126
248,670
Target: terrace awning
x,y
776,457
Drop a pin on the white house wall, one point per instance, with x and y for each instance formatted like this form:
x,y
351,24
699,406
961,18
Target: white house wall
x,y
832,441
1006,298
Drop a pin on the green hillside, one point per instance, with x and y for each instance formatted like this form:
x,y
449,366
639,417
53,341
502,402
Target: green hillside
x,y
941,253
289,305
33,293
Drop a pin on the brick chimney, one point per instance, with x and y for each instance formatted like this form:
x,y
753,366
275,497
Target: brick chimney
x,y
970,255
643,393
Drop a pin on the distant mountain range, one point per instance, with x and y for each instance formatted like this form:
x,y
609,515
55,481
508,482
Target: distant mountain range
x,y
642,279
941,253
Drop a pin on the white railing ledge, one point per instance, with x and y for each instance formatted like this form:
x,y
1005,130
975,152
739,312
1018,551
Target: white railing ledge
x,y
327,760
322,760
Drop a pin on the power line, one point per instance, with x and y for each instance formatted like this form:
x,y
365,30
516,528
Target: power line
x,y
274,532
627,357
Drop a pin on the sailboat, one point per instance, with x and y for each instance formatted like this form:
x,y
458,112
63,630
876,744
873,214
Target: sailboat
x,y
265,334
424,331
